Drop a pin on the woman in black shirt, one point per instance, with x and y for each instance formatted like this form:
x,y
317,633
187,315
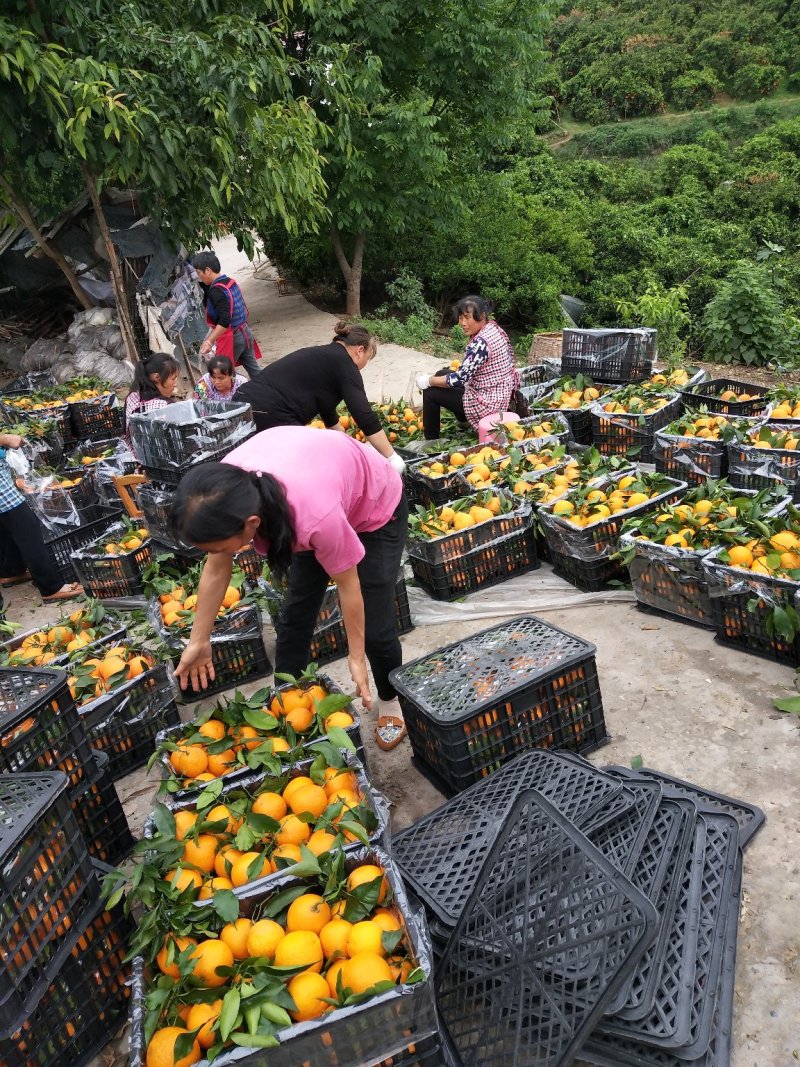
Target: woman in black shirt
x,y
313,381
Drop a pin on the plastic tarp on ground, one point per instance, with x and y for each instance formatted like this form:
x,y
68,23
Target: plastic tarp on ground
x,y
531,593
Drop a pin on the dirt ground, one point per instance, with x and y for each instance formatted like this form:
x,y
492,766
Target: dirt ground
x,y
686,705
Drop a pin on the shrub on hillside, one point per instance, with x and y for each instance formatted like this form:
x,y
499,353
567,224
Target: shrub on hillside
x,y
746,322
755,80
695,89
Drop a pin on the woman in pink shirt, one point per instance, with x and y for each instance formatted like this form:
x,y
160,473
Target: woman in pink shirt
x,y
319,506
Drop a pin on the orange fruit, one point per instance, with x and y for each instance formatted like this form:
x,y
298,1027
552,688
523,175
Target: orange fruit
x,y
239,870
201,853
212,728
293,831
387,920
300,719
339,718
295,783
333,938
219,813
189,760
249,737
278,744
289,853
110,666
308,912
231,598
337,778
137,665
317,693
221,762
202,1017
400,967
295,698
332,973
225,859
321,841
235,936
365,936
212,886
308,798
183,879
346,796
263,938
307,991
271,804
184,821
208,956
363,971
161,1050
179,944
300,948
368,872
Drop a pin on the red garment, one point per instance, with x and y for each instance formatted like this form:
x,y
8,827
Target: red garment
x,y
224,342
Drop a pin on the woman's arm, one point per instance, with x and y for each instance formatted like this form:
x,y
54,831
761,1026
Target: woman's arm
x,y
196,659
352,603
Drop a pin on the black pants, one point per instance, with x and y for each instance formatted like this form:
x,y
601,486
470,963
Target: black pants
x,y
377,573
22,548
244,350
436,398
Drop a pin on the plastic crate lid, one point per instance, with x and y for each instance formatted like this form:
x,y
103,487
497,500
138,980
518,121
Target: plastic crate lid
x,y
503,659
21,688
23,798
547,935
441,855
749,817
622,839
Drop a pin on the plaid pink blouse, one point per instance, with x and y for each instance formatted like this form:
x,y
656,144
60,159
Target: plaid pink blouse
x,y
488,373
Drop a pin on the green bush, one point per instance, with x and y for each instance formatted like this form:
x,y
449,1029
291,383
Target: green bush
x,y
695,89
755,80
745,322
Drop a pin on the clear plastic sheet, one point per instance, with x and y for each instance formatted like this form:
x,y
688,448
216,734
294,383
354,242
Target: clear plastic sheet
x,y
237,625
347,1037
189,432
696,455
103,472
669,579
750,466
56,509
600,539
724,580
125,704
460,543
156,503
623,352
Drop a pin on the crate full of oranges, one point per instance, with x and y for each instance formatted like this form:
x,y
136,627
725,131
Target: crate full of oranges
x,y
53,645
766,455
323,969
242,734
113,565
724,396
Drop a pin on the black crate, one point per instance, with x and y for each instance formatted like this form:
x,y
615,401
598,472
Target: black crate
x,y
106,576
56,412
47,450
546,938
621,840
706,395
617,434
749,816
692,459
103,472
442,854
458,563
741,609
366,1033
81,496
85,1005
99,814
171,439
472,706
429,490
63,545
682,1014
608,355
40,729
669,580
579,420
587,556
125,722
751,467
97,418
48,888
238,654
330,637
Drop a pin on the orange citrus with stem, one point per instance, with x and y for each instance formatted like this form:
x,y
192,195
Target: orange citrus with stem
x,y
161,1050
235,936
293,831
332,973
220,763
387,920
368,872
342,719
208,956
307,990
200,853
189,760
295,783
212,886
363,971
309,798
337,778
182,879
241,872
213,728
271,804
225,859
220,812
333,938
202,1017
178,945
264,937
321,841
184,823
300,719
308,912
365,936
287,854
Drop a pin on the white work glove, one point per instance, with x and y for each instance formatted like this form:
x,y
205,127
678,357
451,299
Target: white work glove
x,y
423,381
397,462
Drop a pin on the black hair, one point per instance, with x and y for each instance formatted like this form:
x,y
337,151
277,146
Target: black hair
x,y
223,363
159,364
214,500
354,335
476,306
206,261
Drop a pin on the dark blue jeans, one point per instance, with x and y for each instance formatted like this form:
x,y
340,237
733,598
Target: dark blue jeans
x,y
244,350
377,573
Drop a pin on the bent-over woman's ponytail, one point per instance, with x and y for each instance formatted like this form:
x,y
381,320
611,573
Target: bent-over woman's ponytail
x,y
214,500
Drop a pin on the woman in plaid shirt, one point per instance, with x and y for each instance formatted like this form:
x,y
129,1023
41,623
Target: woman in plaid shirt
x,y
486,379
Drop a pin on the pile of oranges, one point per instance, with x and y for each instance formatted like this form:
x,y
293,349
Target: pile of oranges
x,y
401,422
456,460
178,606
788,403
129,542
636,402
222,745
708,427
516,431
588,505
570,394
709,516
731,396
257,831
349,942
75,633
95,676
677,377
431,523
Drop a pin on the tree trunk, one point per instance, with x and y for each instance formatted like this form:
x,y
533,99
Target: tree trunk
x,y
25,218
117,282
351,271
